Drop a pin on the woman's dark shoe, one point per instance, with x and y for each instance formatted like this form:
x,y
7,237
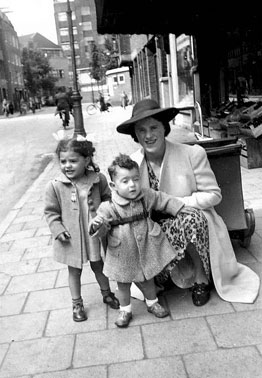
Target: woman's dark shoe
x,y
200,293
79,314
111,301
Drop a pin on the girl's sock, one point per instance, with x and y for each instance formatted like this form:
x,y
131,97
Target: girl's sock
x,y
151,302
127,308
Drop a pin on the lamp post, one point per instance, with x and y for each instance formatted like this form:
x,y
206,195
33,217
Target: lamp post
x,y
76,97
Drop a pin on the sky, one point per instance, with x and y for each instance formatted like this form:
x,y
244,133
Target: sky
x,y
31,16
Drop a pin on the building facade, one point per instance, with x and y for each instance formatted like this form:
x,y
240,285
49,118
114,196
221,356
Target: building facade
x,y
84,24
11,72
53,53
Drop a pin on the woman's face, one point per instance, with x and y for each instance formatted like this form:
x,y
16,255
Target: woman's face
x,y
151,135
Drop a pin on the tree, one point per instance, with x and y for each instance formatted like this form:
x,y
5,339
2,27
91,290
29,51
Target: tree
x,y
102,60
37,72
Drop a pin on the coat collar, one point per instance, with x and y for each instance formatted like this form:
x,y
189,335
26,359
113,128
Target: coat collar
x,y
121,201
92,178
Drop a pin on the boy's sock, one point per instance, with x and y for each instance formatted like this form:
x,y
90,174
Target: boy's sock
x,y
127,308
151,302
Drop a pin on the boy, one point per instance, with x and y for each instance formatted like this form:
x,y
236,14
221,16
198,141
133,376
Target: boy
x,y
137,248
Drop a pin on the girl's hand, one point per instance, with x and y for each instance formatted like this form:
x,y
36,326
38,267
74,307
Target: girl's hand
x,y
64,237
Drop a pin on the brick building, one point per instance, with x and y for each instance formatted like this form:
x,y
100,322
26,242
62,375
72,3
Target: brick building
x,y
11,73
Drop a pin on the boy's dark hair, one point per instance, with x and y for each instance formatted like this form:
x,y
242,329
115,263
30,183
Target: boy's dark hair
x,y
122,161
84,148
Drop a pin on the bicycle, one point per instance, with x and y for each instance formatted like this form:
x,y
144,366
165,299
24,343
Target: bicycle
x,y
92,108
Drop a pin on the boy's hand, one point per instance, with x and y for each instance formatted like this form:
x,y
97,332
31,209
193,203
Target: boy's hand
x,y
96,224
64,237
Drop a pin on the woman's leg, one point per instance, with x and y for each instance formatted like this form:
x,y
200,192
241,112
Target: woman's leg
x,y
200,275
125,313
74,279
103,282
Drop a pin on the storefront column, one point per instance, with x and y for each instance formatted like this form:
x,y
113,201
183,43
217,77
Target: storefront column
x,y
173,67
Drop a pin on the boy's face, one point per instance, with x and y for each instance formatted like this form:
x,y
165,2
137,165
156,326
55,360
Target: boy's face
x,y
127,183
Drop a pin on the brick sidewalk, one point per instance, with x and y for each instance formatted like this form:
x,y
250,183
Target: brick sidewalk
x,y
39,339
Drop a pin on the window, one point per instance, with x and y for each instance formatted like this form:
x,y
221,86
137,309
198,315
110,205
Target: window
x,y
84,18
62,16
85,11
65,46
115,79
121,79
87,25
63,32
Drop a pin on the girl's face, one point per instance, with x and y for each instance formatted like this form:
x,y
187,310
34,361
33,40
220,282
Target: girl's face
x,y
72,164
127,183
151,135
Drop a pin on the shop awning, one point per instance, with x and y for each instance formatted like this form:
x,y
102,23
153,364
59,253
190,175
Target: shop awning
x,y
169,16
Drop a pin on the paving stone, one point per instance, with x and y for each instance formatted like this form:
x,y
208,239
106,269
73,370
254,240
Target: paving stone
x,y
3,350
169,367
27,218
20,267
39,242
22,327
108,347
177,337
43,231
96,311
90,372
48,263
11,256
86,277
245,329
32,282
38,356
4,281
18,235
12,304
4,247
48,300
15,228
181,305
36,252
229,363
35,224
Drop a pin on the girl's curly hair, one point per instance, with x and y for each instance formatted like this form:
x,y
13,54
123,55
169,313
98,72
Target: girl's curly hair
x,y
83,148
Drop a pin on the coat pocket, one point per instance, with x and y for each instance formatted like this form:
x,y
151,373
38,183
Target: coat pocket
x,y
155,231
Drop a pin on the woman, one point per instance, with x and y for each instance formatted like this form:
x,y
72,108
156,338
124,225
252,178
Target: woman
x,y
184,171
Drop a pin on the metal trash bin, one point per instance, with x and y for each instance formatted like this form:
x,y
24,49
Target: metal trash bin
x,y
224,158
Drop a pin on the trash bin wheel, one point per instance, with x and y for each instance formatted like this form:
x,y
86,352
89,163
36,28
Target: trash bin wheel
x,y
245,237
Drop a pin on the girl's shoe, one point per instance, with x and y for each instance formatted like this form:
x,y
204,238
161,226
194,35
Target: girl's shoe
x,y
111,301
123,319
200,293
79,314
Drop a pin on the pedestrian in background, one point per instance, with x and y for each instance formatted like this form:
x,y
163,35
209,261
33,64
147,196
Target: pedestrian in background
x,y
134,240
124,100
71,201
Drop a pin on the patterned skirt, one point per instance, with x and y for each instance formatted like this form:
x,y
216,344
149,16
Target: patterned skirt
x,y
189,227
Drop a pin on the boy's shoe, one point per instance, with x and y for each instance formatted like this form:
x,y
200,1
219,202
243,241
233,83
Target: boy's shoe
x,y
111,300
123,319
158,310
79,314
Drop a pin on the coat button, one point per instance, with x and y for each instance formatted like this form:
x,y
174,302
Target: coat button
x,y
90,202
139,238
92,208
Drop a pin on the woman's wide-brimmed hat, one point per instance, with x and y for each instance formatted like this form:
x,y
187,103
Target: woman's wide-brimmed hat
x,y
143,109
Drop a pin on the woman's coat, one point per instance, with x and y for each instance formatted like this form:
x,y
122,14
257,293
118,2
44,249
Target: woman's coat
x,y
63,214
137,250
186,174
